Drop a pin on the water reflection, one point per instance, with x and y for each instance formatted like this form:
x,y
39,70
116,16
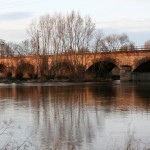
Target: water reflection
x,y
71,115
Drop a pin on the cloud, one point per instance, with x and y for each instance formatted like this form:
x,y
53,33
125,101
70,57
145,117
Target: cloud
x,y
11,16
127,24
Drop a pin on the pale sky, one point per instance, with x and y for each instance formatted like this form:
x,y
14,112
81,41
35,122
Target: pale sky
x,y
111,16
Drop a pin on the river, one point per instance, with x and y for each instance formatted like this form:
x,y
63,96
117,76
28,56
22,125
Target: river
x,y
74,116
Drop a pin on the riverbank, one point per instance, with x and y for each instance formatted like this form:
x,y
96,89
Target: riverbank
x,y
51,80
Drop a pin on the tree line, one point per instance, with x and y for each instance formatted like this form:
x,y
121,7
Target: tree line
x,y
69,33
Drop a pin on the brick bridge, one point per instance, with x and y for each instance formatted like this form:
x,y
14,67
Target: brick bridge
x,y
129,65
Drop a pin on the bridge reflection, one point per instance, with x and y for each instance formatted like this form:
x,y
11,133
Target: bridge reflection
x,y
73,112
119,94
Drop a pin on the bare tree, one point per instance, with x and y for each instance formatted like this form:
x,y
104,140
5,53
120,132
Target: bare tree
x,y
113,42
147,45
97,43
128,47
60,34
5,49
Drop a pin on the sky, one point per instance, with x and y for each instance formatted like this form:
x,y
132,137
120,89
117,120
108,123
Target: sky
x,y
111,16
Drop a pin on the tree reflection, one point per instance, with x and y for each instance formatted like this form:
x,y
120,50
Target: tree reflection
x,y
67,120
70,115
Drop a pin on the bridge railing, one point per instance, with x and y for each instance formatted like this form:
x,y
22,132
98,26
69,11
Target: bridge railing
x,y
125,49
142,48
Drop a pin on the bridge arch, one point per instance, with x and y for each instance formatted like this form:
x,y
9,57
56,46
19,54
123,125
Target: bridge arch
x,y
25,70
142,65
3,71
102,68
62,70
141,71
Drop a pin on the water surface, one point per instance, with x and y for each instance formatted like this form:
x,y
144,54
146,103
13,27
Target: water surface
x,y
82,116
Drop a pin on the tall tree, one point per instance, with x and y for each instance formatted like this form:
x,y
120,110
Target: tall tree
x,y
58,33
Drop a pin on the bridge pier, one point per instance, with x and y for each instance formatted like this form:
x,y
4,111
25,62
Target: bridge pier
x,y
125,73
13,74
10,72
140,76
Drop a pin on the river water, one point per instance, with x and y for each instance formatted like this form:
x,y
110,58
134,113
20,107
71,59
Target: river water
x,y
69,116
